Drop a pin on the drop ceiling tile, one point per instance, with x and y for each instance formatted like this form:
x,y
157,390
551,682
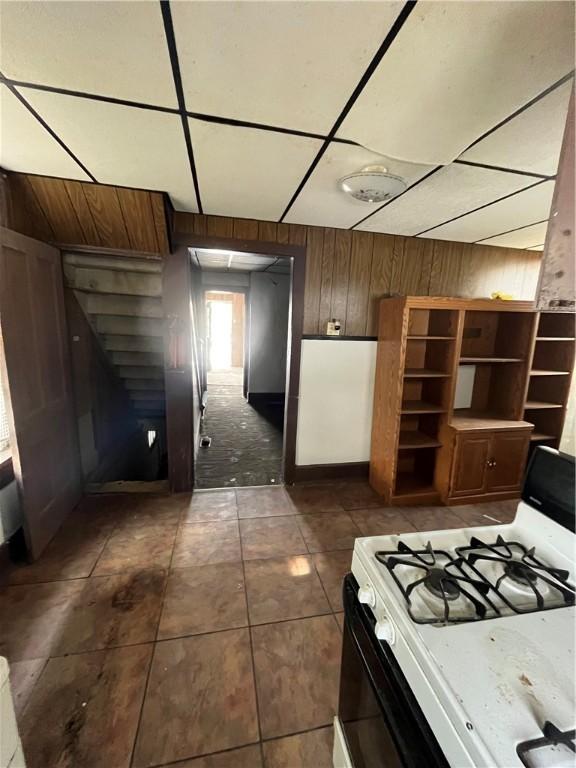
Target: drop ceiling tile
x,y
524,208
122,145
323,203
110,48
451,191
457,69
27,147
522,238
246,172
532,140
290,64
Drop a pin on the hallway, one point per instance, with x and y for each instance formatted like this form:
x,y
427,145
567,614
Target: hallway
x,y
246,446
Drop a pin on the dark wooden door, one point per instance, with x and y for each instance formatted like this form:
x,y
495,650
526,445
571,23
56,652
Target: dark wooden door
x,y
472,453
507,460
36,375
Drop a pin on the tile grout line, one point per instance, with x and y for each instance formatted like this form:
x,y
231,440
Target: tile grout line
x,y
154,643
244,746
250,640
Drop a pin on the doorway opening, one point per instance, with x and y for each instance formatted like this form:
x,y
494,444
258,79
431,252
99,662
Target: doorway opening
x,y
242,336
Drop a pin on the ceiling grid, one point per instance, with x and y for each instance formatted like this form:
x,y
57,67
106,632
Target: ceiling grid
x,y
258,114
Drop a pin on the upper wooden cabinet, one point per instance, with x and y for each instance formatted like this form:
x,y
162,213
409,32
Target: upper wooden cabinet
x,y
460,385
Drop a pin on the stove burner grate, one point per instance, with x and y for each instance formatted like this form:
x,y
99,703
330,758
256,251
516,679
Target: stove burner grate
x,y
552,737
441,585
444,584
520,573
521,566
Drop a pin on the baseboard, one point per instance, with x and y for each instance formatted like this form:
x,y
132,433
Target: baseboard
x,y
352,470
266,398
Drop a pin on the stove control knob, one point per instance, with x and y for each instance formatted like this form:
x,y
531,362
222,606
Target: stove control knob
x,y
385,630
367,595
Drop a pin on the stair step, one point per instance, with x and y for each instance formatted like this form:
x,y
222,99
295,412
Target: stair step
x,y
144,384
118,343
113,281
129,326
140,372
150,265
147,394
149,405
137,358
114,304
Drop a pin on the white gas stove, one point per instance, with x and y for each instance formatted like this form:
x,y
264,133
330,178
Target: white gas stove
x,y
481,623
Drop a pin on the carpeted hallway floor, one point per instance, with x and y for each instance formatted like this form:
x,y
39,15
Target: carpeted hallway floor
x,y
246,446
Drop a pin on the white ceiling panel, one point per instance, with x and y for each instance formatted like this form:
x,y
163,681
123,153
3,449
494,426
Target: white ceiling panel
x,y
532,140
28,147
517,211
323,203
111,48
121,145
457,69
522,238
450,192
536,248
290,64
248,173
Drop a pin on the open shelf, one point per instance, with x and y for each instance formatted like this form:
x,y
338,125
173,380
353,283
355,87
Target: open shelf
x,y
465,360
540,437
419,406
415,472
553,325
539,372
432,322
408,485
413,439
496,336
424,373
424,337
555,338
419,431
540,405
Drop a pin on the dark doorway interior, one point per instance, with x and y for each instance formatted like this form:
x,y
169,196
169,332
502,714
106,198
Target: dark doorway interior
x,y
244,342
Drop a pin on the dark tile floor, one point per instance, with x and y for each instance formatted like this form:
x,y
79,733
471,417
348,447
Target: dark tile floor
x,y
198,632
246,446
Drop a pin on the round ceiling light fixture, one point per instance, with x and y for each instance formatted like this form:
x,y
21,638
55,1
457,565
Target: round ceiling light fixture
x,y
372,184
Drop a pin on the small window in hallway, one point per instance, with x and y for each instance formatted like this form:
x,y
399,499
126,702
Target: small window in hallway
x,y
151,437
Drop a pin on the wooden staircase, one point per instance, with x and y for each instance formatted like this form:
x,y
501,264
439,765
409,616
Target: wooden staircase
x,y
122,299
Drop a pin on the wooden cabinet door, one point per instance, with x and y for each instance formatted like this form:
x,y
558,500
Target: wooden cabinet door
x,y
507,460
37,378
470,464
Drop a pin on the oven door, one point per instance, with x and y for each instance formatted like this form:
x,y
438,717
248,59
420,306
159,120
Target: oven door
x,y
382,723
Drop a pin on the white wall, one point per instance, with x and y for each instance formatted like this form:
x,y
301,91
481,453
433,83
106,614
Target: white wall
x,y
335,406
268,305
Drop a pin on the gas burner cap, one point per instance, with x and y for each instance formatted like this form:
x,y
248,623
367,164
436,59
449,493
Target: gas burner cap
x,y
441,585
520,573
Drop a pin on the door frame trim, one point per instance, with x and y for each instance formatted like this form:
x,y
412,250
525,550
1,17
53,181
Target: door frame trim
x,y
297,255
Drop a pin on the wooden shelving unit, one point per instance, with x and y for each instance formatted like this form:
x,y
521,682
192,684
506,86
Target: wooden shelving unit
x,y
422,343
551,365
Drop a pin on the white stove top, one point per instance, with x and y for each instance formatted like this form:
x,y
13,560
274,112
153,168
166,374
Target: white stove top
x,y
493,678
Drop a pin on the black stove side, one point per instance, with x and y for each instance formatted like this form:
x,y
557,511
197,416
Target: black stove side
x,y
549,486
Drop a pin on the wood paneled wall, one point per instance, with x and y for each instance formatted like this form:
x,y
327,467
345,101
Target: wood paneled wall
x,y
81,213
348,272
